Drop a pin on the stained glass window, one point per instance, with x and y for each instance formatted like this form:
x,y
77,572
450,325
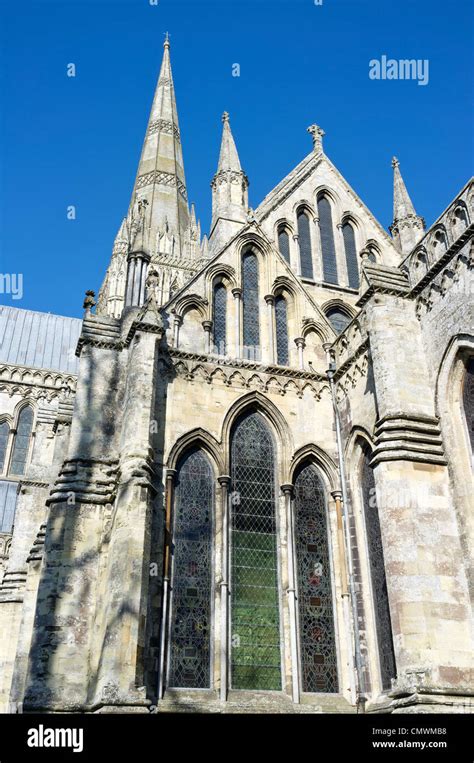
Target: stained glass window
x,y
250,306
338,319
220,318
281,325
4,432
21,442
377,570
315,604
351,255
190,636
468,400
328,250
284,243
304,237
255,635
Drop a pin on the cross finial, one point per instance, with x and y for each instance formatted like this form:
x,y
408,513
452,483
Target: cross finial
x,y
167,40
225,116
395,162
317,133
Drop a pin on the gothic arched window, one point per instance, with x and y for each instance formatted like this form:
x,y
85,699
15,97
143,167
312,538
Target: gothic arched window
x,y
190,634
440,243
338,319
281,327
315,602
255,633
377,572
460,216
284,242
351,255
468,400
328,249
21,442
220,318
250,306
304,238
4,434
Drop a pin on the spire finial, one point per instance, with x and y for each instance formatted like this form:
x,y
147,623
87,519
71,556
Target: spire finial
x,y
318,134
166,43
225,116
407,227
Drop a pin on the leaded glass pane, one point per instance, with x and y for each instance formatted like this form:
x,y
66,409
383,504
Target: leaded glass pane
x,y
468,400
338,319
315,603
377,570
4,432
284,243
22,441
256,656
351,255
220,318
304,237
250,306
281,323
190,635
328,250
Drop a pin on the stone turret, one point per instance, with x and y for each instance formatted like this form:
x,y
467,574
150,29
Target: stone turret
x,y
229,191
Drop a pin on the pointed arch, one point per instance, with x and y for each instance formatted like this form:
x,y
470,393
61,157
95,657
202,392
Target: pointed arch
x,y
350,249
256,401
4,438
197,438
256,659
190,643
22,439
281,330
305,242
373,537
283,236
219,317
450,406
324,462
328,249
250,305
316,620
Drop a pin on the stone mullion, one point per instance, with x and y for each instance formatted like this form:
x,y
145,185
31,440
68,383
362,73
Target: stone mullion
x,y
287,491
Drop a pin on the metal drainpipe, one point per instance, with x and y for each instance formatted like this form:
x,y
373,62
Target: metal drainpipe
x,y
360,689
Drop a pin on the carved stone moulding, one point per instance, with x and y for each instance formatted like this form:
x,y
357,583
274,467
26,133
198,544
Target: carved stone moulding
x,y
399,437
85,481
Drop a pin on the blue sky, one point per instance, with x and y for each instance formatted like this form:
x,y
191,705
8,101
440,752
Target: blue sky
x,y
76,141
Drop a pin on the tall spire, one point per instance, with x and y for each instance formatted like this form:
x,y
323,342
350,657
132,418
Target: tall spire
x,y
229,190
160,177
407,227
228,157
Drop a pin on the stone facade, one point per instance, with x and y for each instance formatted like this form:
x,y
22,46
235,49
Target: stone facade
x,y
380,406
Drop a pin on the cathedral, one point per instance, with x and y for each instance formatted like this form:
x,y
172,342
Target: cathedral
x,y
242,483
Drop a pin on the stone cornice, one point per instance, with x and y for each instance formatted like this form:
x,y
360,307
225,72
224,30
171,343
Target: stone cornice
x,y
383,279
242,374
344,367
28,378
239,363
440,264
